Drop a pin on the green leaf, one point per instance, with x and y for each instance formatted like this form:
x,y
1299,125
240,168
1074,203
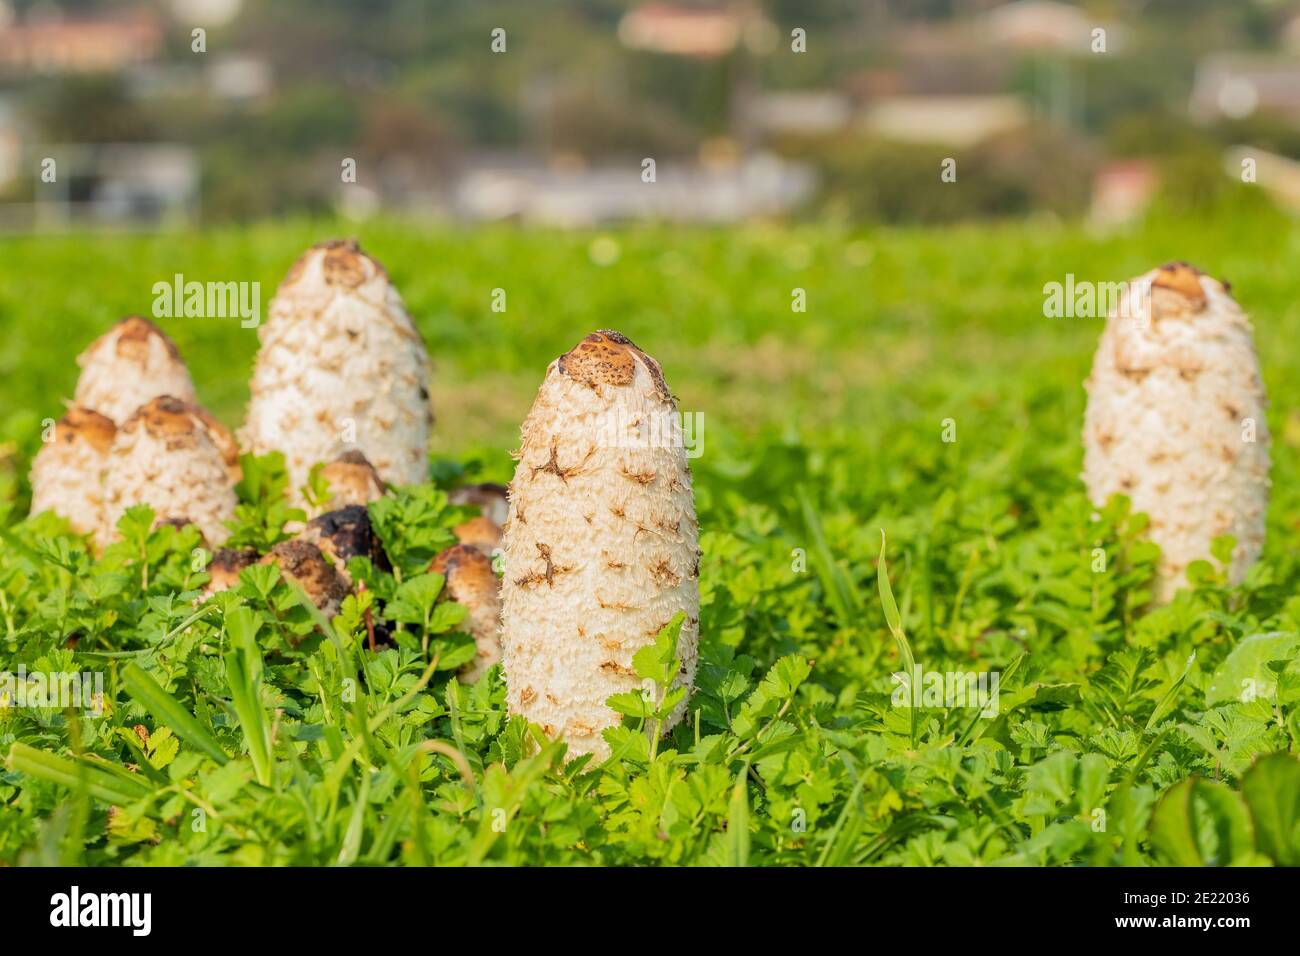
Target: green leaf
x,y
243,663
1201,823
1272,791
1244,673
658,661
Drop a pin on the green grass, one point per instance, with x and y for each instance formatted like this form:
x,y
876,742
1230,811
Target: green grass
x,y
821,429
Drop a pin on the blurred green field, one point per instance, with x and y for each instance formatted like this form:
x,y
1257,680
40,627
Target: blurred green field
x,y
821,429
901,326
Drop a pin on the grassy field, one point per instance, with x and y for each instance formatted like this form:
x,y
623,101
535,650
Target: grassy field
x,y
822,428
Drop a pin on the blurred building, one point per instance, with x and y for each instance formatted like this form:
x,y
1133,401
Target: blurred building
x,y
955,120
80,43
128,185
801,112
1039,26
1234,86
762,185
696,31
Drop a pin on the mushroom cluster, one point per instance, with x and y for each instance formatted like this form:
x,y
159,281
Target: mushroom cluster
x,y
135,433
341,382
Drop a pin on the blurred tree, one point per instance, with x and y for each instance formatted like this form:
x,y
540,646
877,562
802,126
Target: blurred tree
x,y
90,109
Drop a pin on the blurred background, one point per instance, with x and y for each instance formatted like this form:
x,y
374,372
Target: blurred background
x,y
807,276
1090,110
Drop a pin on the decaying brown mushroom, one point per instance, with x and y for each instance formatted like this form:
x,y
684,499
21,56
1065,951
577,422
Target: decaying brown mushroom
x,y
302,563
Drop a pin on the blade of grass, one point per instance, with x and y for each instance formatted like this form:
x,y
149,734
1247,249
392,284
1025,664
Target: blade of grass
x,y
895,623
77,775
841,593
738,820
165,708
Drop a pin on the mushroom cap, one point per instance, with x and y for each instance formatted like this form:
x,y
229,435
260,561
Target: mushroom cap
x,y
341,367
67,474
1176,419
492,500
164,456
303,563
224,568
481,533
128,365
352,480
345,533
601,546
471,582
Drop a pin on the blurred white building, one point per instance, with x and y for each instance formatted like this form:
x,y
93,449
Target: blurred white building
x,y
574,197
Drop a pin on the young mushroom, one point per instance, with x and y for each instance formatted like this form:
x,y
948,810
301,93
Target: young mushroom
x,y
164,456
601,546
482,533
224,568
341,367
472,583
1175,420
127,366
352,480
302,563
68,473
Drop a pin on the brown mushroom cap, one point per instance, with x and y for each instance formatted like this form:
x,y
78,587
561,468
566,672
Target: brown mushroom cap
x,y
84,424
1176,291
170,419
352,480
303,563
481,533
472,583
224,568
468,566
163,455
132,338
606,357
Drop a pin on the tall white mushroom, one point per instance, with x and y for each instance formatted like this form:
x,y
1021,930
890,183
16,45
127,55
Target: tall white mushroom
x,y
164,456
341,367
127,366
68,473
1175,419
601,545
